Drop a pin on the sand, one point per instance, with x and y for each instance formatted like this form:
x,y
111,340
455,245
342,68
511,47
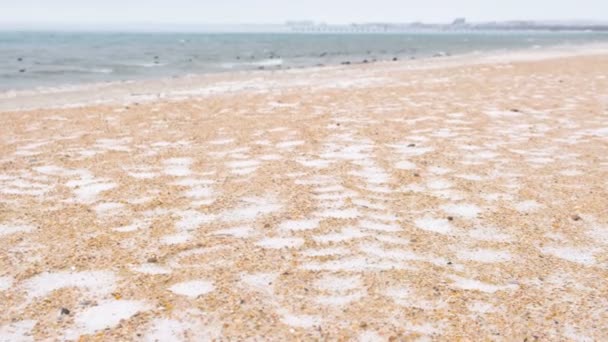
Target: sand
x,y
392,201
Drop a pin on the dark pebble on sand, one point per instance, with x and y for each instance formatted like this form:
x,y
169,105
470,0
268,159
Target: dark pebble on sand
x,y
365,61
21,70
576,218
411,145
515,110
449,263
20,59
450,218
395,59
65,311
153,260
416,175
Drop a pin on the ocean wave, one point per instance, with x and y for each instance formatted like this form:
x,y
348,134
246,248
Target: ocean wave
x,y
269,62
149,65
58,70
262,63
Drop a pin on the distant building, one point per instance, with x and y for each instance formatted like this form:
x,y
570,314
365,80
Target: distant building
x,y
300,23
459,22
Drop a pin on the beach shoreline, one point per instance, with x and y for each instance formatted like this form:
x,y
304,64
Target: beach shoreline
x,y
434,199
192,85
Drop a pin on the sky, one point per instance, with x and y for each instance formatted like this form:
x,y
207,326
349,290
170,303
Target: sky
x,y
130,12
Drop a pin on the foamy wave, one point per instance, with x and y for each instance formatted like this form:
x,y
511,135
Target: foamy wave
x,y
262,63
102,70
149,65
269,62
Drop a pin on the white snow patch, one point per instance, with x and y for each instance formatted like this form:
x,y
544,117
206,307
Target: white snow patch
x,y
221,141
178,167
441,226
438,184
5,283
405,165
108,208
301,321
489,234
299,225
371,336
17,331
578,255
468,211
332,283
324,252
8,229
527,206
175,239
476,285
261,282
339,300
151,269
106,315
345,234
192,219
237,232
87,191
166,330
289,144
438,170
97,283
193,288
254,207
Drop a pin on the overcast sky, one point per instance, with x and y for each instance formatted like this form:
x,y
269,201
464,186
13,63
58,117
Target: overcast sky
x,y
120,12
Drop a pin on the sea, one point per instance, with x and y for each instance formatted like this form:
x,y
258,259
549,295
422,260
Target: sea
x,y
31,60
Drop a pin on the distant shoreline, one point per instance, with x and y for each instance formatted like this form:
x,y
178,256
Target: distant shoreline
x,y
194,85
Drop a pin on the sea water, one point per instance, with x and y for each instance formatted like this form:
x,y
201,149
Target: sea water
x,y
48,59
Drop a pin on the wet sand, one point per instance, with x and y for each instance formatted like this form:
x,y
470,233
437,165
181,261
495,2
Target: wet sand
x,y
373,202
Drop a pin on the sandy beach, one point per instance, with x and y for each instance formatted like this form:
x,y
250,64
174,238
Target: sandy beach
x,y
433,200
